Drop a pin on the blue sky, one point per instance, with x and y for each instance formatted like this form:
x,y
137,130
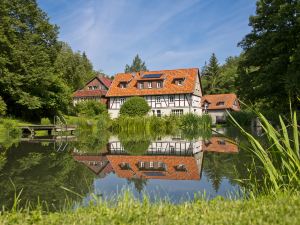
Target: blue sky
x,y
167,34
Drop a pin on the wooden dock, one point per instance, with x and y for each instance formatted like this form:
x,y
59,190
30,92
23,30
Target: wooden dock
x,y
51,129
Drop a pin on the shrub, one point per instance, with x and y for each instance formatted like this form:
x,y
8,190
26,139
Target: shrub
x,y
45,121
2,107
135,106
90,108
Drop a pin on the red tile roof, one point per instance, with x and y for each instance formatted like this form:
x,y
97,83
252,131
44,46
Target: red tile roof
x,y
191,173
228,100
106,81
89,93
96,163
220,144
169,87
84,92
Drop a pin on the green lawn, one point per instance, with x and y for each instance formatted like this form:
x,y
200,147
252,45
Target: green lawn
x,y
283,209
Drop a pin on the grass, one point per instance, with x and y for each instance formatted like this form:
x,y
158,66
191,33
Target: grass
x,y
280,209
278,151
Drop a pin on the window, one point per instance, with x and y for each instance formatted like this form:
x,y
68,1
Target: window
x,y
159,84
123,85
90,87
158,99
177,111
158,113
220,103
151,165
95,87
171,98
140,85
179,81
149,84
122,100
221,142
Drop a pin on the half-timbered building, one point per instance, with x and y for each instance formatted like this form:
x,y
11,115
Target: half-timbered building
x,y
218,105
167,91
95,89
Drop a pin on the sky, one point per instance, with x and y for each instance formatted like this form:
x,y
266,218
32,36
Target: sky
x,y
167,34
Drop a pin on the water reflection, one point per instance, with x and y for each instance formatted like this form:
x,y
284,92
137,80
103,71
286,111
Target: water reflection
x,y
169,166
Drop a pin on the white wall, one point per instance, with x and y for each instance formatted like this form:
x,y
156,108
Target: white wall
x,y
186,102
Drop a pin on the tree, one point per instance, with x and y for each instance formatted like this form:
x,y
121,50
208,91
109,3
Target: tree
x,y
90,108
2,107
28,50
136,66
270,72
73,67
210,75
135,106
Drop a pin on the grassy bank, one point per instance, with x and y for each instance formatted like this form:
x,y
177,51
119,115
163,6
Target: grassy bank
x,y
282,209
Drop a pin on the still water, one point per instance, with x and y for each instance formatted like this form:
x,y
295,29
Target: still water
x,y
169,167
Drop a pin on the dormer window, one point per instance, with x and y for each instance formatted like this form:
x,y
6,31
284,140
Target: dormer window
x,y
159,84
221,142
179,81
140,85
220,103
123,85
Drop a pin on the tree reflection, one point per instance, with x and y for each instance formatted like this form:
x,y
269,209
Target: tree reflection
x,y
40,173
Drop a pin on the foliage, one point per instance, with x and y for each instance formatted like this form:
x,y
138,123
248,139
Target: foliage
x,y
73,67
136,66
279,153
45,121
135,106
127,210
135,144
270,71
28,46
2,107
90,108
243,118
218,79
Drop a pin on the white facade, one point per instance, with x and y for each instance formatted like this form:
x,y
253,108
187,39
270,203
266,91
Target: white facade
x,y
166,146
162,104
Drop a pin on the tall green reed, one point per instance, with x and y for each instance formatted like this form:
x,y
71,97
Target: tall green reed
x,y
278,152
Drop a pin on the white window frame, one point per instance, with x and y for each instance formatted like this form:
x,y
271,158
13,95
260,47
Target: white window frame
x,y
122,100
171,98
149,84
158,99
159,84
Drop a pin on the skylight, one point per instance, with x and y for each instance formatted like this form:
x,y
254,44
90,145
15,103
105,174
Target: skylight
x,y
152,76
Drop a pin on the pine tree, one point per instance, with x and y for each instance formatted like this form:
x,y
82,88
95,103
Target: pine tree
x,y
136,66
210,75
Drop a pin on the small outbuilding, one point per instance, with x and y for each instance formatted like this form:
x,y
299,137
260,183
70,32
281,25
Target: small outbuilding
x,y
218,105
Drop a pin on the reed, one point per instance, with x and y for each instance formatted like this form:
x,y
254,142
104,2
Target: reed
x,y
278,152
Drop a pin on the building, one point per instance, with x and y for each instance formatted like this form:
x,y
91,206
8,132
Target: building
x,y
167,159
95,89
167,91
218,105
219,145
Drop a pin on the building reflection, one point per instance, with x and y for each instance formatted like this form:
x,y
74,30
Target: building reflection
x,y
168,158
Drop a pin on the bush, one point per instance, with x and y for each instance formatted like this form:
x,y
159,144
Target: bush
x,y
2,107
90,108
45,121
135,106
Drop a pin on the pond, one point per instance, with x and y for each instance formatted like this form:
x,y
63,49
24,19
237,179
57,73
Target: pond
x,y
168,167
